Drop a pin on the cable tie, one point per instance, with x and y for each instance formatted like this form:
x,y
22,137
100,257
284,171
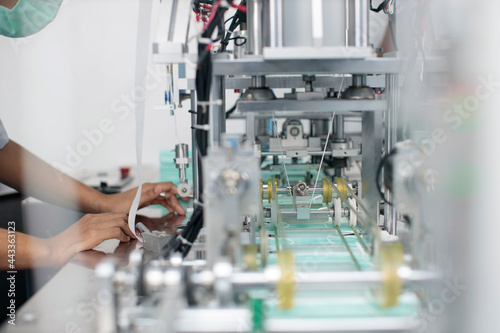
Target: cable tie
x,y
201,127
209,103
205,40
184,241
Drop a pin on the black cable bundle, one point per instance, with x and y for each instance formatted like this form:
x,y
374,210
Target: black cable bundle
x,y
382,6
237,19
387,179
203,82
182,243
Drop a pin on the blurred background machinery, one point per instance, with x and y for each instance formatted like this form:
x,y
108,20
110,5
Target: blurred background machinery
x,y
312,219
323,213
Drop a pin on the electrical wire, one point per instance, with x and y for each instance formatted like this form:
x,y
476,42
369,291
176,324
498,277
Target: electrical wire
x,y
341,85
231,110
182,243
238,18
381,166
282,155
239,37
387,6
322,158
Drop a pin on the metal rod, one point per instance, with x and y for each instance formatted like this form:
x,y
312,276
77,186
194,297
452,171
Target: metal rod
x,y
315,212
309,153
286,190
359,80
258,81
360,240
359,23
358,200
195,150
271,275
330,325
173,16
276,26
376,231
390,214
348,248
216,111
276,238
254,26
338,135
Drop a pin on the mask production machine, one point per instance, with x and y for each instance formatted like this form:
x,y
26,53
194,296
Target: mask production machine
x,y
313,217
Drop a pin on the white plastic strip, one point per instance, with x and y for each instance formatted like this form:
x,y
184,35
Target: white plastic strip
x,y
141,64
326,143
322,158
282,155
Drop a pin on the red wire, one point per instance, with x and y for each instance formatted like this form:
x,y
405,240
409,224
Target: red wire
x,y
212,14
240,8
386,10
214,11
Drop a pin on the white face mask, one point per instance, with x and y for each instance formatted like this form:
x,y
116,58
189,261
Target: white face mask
x,y
27,17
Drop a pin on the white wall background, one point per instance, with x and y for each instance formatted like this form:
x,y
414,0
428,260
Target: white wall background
x,y
75,74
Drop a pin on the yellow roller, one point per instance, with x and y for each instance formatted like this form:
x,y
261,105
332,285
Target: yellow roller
x,y
261,189
327,191
250,257
341,187
286,284
269,190
391,258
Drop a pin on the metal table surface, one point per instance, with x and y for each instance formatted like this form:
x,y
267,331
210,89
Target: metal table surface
x,y
69,301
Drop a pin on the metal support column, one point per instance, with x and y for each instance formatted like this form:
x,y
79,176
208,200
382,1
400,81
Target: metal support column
x,y
217,116
390,214
254,26
339,138
358,23
194,149
250,127
338,134
372,155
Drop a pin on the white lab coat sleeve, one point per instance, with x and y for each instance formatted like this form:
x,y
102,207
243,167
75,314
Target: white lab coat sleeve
x,y
4,138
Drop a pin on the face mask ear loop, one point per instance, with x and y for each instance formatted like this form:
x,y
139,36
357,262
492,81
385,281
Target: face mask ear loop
x,y
142,55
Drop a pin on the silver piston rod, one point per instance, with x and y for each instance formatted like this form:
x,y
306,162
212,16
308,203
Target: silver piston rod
x,y
286,190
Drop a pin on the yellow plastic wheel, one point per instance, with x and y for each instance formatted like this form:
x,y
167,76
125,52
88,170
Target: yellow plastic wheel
x,y
391,258
261,189
286,284
327,191
269,190
341,187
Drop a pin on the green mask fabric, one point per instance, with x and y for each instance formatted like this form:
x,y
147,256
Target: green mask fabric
x,y
27,17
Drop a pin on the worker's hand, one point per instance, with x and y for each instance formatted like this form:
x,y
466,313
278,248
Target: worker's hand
x,y
88,232
151,195
167,223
